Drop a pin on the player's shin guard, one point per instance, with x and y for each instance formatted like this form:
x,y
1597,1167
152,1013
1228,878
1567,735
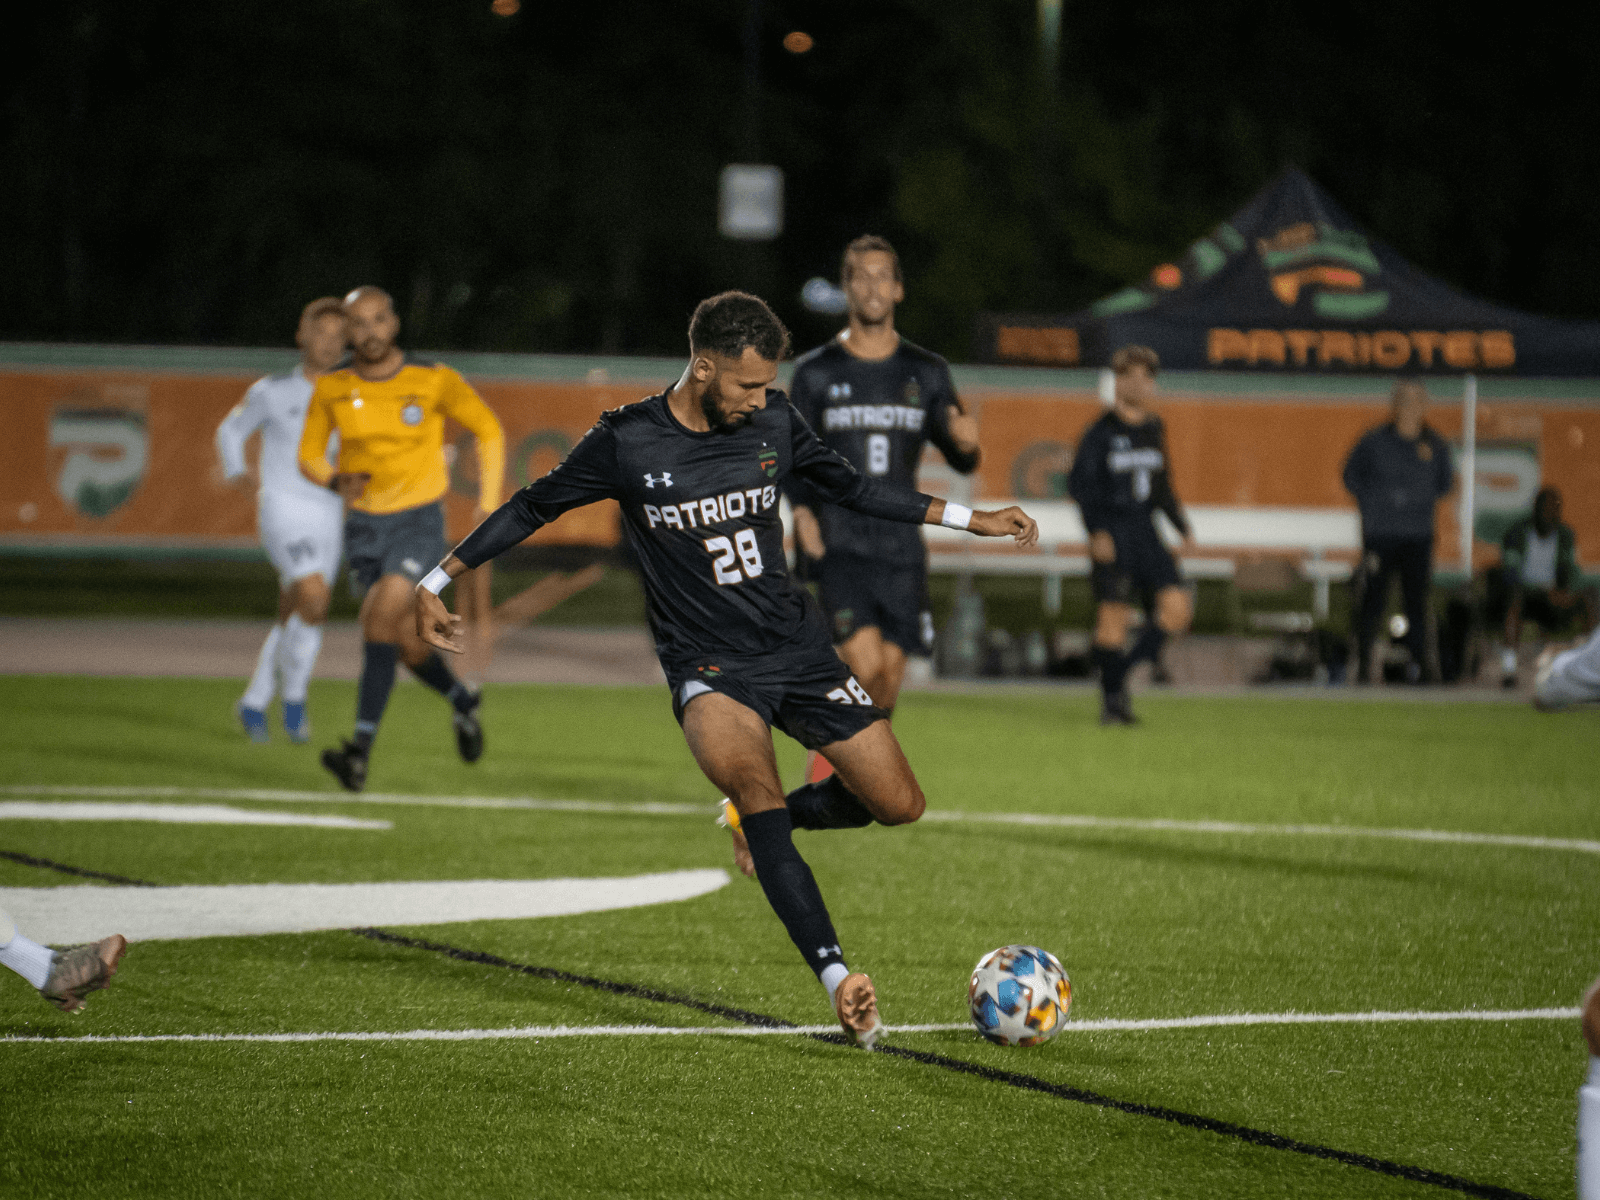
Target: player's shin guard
x,y
436,673
378,661
297,657
826,805
792,890
1148,644
259,693
1113,666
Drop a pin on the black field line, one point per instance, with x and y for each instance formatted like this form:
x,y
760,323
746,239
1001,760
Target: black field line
x,y
637,991
29,860
1015,1079
1029,1083
1243,1133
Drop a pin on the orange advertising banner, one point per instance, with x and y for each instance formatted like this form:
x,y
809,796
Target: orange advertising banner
x,y
111,458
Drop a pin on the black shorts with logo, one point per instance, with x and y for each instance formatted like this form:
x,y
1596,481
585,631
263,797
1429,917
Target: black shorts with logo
x,y
807,692
1143,565
409,542
857,592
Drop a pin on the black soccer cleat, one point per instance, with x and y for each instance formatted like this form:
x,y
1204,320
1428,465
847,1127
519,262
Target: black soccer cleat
x,y
1117,709
469,733
349,766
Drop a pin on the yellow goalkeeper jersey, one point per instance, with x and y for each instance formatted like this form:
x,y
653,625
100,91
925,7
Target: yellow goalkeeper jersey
x,y
394,430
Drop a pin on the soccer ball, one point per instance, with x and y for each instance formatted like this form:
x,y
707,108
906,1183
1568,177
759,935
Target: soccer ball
x,y
1020,996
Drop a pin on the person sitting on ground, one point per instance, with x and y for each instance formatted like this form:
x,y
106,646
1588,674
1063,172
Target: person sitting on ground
x,y
1537,580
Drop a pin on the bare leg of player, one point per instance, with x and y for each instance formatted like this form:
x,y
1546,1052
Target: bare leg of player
x,y
734,748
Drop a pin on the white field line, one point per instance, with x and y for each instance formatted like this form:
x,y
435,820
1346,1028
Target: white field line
x,y
172,814
1065,821
536,1032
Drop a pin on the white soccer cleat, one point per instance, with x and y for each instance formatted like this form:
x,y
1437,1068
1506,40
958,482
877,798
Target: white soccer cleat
x,y
855,1003
729,820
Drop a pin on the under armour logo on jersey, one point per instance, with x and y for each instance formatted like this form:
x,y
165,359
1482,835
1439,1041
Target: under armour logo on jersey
x,y
838,391
665,481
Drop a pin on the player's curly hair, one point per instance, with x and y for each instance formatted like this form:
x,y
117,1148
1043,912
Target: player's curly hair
x,y
1135,356
729,321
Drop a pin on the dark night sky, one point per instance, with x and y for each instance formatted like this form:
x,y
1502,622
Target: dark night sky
x,y
193,173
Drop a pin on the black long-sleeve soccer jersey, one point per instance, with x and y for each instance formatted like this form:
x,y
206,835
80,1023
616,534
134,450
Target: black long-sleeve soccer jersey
x,y
1119,473
877,415
701,512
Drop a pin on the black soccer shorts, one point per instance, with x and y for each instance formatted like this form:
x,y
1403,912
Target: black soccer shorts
x,y
857,592
809,694
1143,565
409,542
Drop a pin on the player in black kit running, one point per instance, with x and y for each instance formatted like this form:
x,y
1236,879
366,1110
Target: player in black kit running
x,y
875,399
698,470
1119,478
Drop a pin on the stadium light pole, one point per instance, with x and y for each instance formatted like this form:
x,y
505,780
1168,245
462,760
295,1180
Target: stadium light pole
x,y
1049,38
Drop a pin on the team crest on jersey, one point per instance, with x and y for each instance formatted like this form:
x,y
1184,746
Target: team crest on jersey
x,y
411,414
913,393
710,672
768,460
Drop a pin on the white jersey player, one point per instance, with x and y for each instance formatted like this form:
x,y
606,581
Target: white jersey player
x,y
301,525
1569,677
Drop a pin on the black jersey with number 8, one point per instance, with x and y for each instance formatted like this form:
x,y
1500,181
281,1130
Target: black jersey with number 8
x,y
877,414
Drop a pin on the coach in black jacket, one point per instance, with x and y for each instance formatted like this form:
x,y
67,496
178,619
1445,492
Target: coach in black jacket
x,y
1398,472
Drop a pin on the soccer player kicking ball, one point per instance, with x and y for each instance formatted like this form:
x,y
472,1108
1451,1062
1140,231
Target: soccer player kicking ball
x,y
389,410
875,399
1119,478
298,521
63,977
698,471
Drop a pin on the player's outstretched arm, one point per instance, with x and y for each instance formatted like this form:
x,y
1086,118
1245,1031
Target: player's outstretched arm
x,y
1006,522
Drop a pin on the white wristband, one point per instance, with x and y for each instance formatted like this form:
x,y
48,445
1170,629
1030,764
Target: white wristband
x,y
956,516
435,580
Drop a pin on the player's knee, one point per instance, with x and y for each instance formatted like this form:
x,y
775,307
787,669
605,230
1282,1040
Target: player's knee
x,y
905,805
1174,611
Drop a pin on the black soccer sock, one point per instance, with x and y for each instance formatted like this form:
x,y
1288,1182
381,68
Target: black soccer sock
x,y
826,805
1113,669
1148,644
378,661
434,672
790,887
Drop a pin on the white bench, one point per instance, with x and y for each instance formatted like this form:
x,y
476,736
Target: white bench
x,y
1326,541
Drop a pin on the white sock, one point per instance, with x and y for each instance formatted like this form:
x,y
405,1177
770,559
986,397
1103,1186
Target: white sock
x,y
1508,660
259,694
832,976
297,657
1589,1134
28,959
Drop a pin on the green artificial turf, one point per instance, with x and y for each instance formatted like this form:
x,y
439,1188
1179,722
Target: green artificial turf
x,y
1150,923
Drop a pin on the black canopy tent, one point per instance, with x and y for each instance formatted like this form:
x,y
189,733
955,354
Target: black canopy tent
x,y
1292,283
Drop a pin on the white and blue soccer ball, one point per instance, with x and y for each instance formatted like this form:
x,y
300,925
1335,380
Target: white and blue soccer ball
x,y
1020,996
